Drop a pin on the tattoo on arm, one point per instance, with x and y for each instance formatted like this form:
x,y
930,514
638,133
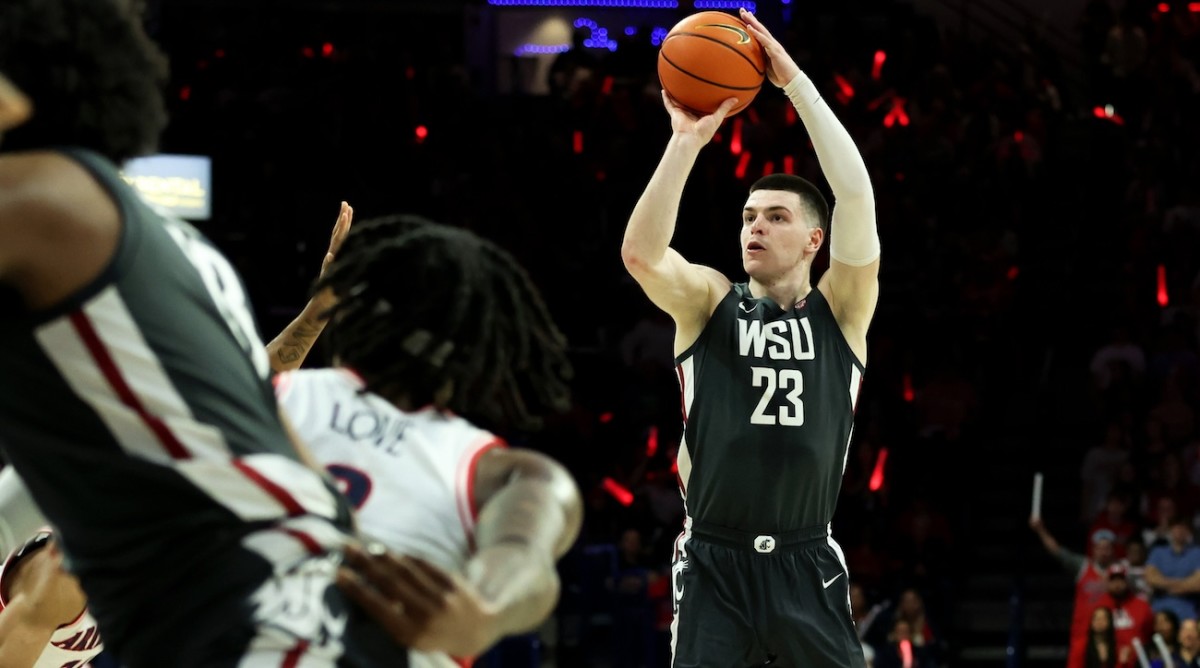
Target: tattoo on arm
x,y
291,347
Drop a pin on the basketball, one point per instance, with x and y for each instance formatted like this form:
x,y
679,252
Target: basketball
x,y
709,57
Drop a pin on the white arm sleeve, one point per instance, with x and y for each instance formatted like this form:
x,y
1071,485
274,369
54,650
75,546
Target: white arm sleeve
x,y
20,517
853,237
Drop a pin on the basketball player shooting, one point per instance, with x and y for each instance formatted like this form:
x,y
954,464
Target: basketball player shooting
x,y
770,370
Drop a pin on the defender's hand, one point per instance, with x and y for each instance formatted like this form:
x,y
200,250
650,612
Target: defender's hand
x,y
325,300
418,604
53,593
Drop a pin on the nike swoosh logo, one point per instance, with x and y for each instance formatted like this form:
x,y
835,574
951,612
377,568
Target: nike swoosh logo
x,y
743,36
748,310
826,583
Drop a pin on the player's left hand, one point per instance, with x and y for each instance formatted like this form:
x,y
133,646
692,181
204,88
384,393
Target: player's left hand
x,y
780,67
325,300
341,228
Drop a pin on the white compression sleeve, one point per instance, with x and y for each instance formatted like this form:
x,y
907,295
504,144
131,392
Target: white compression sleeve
x,y
20,517
853,237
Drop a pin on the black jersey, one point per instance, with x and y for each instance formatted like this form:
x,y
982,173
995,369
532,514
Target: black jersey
x,y
768,400
140,414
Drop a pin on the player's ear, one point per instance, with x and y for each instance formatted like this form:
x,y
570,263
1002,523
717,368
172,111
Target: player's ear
x,y
15,108
816,238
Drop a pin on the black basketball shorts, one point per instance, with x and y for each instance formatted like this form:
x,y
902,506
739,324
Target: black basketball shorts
x,y
745,600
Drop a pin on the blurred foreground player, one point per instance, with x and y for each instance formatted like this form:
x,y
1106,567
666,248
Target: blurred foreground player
x,y
136,402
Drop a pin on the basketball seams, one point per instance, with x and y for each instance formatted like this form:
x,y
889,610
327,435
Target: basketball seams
x,y
723,43
697,77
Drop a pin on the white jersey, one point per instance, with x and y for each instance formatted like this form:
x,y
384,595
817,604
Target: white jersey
x,y
73,644
409,475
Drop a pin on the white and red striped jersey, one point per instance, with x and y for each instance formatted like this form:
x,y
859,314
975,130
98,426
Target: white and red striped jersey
x,y
73,644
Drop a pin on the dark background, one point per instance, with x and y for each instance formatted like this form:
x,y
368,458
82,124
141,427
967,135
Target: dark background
x,y
1020,223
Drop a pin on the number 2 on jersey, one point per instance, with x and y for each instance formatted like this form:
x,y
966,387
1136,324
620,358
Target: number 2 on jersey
x,y
354,484
772,380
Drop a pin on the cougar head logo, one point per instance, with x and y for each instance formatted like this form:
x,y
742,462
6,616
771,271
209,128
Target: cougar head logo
x,y
743,36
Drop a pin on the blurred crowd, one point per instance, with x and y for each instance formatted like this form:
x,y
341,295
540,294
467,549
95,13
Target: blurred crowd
x,y
1137,567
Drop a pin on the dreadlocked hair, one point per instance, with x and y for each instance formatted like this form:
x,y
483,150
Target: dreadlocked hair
x,y
439,315
95,78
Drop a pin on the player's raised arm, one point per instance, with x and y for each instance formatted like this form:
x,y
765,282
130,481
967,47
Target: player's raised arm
x,y
851,283
677,287
530,515
288,350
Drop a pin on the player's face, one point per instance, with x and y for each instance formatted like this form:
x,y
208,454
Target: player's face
x,y
776,235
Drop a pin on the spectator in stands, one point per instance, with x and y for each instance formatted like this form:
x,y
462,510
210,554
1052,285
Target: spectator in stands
x,y
1101,642
1119,356
1098,472
1163,515
870,618
1132,617
1166,627
1091,583
923,631
1189,644
1136,554
1173,571
901,651
1115,518
634,622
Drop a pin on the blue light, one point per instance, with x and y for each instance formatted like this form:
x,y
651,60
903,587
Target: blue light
x,y
657,35
598,39
536,49
630,31
724,4
644,4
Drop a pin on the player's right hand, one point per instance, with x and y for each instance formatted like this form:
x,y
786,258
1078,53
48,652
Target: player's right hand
x,y
418,604
702,128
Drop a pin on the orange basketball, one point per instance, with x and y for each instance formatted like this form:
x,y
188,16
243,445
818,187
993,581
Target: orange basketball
x,y
708,58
